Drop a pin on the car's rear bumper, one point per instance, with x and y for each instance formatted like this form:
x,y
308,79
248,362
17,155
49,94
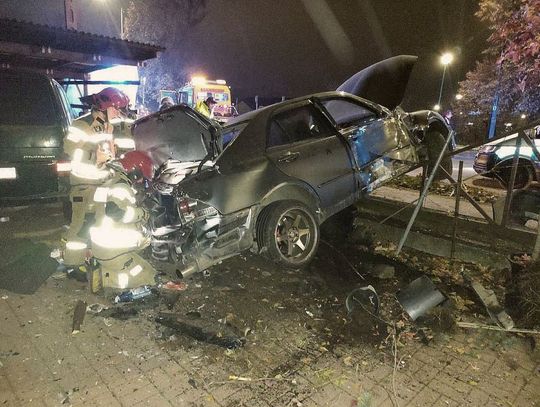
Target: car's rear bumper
x,y
28,181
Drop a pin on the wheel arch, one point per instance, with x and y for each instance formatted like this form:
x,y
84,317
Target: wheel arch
x,y
294,192
522,161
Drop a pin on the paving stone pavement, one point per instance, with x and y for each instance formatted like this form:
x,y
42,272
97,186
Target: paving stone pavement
x,y
120,363
300,351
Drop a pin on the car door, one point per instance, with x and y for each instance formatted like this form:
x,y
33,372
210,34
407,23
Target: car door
x,y
303,144
380,143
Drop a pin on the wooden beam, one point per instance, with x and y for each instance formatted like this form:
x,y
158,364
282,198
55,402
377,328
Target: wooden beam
x,y
48,53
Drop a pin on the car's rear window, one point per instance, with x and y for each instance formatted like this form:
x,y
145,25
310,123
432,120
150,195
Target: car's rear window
x,y
26,101
231,132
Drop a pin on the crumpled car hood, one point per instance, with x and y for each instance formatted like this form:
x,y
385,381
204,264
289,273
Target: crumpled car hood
x,y
384,82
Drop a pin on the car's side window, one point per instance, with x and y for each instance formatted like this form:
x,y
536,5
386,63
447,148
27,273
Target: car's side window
x,y
302,123
346,113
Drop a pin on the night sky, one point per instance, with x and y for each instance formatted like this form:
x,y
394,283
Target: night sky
x,y
295,47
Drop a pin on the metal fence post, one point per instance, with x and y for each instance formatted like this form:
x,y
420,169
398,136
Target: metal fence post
x,y
424,193
512,181
456,210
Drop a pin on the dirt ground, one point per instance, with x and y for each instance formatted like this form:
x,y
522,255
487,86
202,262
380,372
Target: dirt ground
x,y
251,334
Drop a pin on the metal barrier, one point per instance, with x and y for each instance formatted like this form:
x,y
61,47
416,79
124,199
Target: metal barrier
x,y
460,191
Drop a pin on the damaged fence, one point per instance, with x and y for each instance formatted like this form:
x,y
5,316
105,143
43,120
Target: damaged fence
x,y
500,220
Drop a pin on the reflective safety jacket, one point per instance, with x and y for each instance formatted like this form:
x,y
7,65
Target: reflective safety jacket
x,y
203,109
89,144
123,139
119,219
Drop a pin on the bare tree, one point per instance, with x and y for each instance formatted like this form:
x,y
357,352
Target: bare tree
x,y
165,23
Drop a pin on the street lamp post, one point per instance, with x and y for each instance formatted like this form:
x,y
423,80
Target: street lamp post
x,y
446,59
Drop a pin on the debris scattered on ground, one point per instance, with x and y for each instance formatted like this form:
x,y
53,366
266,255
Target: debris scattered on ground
x,y
96,308
383,271
200,332
64,398
474,325
78,316
175,285
56,254
419,297
120,313
494,309
365,298
133,294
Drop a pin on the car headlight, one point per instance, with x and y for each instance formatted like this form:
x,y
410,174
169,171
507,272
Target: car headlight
x,y
488,149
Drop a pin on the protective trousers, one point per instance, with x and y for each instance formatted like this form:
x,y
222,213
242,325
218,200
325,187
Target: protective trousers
x,y
82,204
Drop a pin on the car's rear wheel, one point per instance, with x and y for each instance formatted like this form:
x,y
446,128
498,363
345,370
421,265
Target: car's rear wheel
x,y
524,176
289,233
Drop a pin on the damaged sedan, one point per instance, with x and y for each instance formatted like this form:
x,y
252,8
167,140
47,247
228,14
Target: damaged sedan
x,y
267,180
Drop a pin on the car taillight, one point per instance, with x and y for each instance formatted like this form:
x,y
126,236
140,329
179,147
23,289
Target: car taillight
x,y
185,206
191,209
63,167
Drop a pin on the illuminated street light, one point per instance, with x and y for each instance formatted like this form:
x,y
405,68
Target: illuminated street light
x,y
523,116
446,59
437,107
459,96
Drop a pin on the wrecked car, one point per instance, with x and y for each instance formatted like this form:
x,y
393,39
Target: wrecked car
x,y
268,179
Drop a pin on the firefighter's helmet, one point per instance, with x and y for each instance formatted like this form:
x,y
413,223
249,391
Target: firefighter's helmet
x,y
108,97
138,165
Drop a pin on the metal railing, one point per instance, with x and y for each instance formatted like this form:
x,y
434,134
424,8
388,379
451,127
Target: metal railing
x,y
460,191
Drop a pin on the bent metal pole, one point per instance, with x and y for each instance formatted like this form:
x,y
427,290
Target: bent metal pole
x,y
424,192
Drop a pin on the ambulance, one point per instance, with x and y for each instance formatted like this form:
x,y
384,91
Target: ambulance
x,y
199,88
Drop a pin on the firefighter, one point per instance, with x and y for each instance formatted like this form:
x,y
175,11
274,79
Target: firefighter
x,y
205,107
119,234
165,103
89,145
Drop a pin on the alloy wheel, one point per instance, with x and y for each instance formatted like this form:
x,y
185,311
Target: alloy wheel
x,y
293,234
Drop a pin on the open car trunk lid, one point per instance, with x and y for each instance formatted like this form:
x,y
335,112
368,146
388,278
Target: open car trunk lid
x,y
178,133
384,82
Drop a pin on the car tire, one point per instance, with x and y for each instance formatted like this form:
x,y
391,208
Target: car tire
x,y
435,142
289,233
524,176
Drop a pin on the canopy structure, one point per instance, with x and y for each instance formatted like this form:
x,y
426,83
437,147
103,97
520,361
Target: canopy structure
x,y
66,53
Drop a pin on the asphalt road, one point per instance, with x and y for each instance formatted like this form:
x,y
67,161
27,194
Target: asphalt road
x,y
468,159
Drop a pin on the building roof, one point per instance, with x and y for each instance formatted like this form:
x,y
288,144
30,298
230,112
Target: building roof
x,y
64,52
